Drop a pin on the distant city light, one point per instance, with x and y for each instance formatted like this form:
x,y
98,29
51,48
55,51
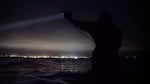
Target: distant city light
x,y
47,56
131,58
134,57
76,57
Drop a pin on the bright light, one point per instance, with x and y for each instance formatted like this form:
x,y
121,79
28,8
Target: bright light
x,y
47,56
75,57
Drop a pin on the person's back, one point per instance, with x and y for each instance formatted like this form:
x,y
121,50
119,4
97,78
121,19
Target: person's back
x,y
112,44
107,37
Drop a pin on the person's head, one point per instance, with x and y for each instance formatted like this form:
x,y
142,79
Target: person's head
x,y
67,15
105,16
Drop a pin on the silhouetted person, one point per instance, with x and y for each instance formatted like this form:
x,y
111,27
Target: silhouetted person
x,y
107,37
112,42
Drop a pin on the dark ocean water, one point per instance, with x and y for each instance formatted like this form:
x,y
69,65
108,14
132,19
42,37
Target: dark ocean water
x,y
66,71
42,71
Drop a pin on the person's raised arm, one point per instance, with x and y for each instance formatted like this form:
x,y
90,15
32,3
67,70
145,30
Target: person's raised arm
x,y
78,23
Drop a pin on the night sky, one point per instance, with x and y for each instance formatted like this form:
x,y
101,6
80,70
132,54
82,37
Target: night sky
x,y
127,14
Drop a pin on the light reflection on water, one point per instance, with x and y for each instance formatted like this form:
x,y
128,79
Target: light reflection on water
x,y
37,69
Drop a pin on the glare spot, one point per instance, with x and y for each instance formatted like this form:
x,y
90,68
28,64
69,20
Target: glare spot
x,y
75,57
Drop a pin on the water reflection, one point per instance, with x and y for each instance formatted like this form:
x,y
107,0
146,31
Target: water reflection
x,y
19,70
